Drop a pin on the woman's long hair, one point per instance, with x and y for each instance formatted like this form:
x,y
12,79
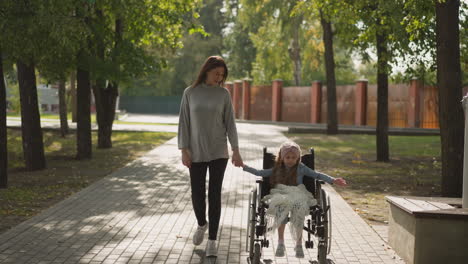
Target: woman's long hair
x,y
211,63
282,176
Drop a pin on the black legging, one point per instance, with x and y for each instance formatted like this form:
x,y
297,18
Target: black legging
x,y
198,182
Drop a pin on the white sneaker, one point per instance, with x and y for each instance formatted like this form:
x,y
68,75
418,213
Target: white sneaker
x,y
199,234
280,250
299,251
211,249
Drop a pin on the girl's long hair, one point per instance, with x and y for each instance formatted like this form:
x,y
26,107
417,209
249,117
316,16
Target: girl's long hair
x,y
281,175
211,63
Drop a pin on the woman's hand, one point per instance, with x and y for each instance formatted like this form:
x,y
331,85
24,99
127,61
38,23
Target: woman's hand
x,y
186,158
236,158
340,182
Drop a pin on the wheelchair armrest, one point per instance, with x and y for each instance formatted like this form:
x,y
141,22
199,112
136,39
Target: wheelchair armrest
x,y
320,182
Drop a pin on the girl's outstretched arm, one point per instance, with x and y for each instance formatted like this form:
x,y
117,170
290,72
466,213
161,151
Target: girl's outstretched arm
x,y
322,176
263,173
316,175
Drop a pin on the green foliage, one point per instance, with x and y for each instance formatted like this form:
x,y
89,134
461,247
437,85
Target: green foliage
x,y
421,72
13,97
151,30
238,47
368,71
270,27
44,33
271,61
419,57
12,89
184,62
51,33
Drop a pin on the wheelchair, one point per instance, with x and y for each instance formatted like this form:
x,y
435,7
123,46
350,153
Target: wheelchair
x,y
317,223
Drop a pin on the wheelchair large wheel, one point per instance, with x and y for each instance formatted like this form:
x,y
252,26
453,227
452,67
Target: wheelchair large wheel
x,y
251,223
324,242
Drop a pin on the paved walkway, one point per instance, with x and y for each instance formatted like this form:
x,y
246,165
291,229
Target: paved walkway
x,y
142,214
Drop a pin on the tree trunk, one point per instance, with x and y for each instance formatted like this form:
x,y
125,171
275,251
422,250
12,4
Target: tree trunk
x,y
3,131
106,99
63,109
295,50
332,118
83,117
382,98
73,95
33,146
451,117
99,91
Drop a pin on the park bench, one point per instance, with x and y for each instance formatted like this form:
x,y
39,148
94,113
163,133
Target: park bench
x,y
425,230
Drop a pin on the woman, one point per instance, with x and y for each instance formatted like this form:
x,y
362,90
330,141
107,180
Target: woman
x,y
206,121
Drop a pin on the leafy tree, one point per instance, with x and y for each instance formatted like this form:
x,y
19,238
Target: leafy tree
x,y
377,24
35,31
326,9
238,47
42,35
127,40
184,63
271,61
419,61
433,28
270,25
288,28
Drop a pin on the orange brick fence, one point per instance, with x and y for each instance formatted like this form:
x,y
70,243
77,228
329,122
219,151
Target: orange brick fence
x,y
410,105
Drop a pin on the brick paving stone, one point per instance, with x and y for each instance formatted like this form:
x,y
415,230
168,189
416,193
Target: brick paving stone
x,y
142,213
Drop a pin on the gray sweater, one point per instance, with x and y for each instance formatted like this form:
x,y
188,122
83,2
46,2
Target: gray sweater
x,y
302,170
206,120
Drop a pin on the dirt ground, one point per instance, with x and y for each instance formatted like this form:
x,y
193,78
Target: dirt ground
x,y
30,192
411,173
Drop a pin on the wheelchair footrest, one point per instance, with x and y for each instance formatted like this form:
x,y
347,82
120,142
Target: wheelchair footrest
x,y
309,244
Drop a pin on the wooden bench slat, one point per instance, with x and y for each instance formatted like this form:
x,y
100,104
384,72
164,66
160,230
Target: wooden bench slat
x,y
441,205
456,202
404,204
423,204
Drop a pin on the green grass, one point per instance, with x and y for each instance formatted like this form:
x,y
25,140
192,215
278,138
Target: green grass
x,y
30,192
52,116
414,168
144,123
93,119
54,145
427,146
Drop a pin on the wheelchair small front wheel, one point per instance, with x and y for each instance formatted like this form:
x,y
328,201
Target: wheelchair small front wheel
x,y
322,253
257,254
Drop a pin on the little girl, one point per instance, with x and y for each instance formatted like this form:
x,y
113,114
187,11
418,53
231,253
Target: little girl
x,y
288,170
